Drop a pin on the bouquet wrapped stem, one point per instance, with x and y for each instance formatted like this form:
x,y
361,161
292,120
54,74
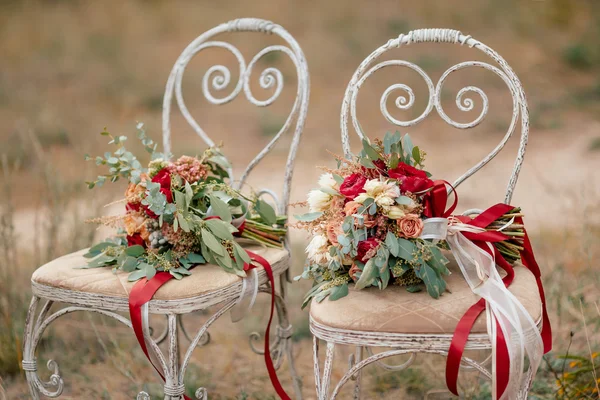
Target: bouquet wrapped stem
x,y
512,247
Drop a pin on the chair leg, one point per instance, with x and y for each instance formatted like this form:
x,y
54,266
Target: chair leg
x,y
34,327
284,329
358,358
29,363
322,383
174,388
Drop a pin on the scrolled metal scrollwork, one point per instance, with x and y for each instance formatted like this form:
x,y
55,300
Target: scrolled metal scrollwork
x,y
390,367
201,394
464,102
401,102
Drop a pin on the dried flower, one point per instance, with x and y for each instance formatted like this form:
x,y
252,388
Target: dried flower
x,y
384,193
351,208
333,229
317,249
318,200
190,169
327,181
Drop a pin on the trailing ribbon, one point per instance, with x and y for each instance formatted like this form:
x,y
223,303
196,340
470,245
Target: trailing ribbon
x,y
513,332
144,290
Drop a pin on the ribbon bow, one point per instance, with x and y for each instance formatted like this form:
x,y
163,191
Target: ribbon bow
x,y
512,331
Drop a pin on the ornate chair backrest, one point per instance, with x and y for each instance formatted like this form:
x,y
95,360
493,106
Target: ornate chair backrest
x,y
219,76
501,68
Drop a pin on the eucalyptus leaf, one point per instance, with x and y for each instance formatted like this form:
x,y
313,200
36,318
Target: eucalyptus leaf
x,y
430,278
416,154
309,216
220,208
369,273
370,151
337,292
404,200
219,229
136,275
149,270
365,162
413,289
406,248
129,265
212,243
407,144
392,244
266,212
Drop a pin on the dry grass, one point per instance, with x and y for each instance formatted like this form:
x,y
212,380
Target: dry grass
x,y
71,68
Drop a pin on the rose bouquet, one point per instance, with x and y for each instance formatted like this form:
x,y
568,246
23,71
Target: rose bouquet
x,y
367,220
179,214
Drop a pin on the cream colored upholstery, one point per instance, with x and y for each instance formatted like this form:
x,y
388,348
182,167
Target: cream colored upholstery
x,y
63,273
394,310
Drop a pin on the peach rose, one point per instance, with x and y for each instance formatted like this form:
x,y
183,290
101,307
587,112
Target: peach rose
x,y
369,221
351,207
353,271
411,225
333,229
337,204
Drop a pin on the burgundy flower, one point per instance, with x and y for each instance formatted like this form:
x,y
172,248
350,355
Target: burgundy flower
x,y
163,177
133,206
352,186
381,167
365,249
135,239
411,179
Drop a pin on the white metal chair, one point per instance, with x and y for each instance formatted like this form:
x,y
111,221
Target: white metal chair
x,y
101,291
411,323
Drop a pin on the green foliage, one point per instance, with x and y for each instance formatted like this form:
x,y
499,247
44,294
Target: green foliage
x,y
579,56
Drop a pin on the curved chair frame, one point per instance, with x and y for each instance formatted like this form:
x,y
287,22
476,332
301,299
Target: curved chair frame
x,y
217,77
419,343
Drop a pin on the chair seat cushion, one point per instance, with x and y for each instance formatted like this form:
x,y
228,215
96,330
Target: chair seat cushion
x,y
394,310
63,273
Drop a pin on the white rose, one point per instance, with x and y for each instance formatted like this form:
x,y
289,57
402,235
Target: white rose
x,y
327,181
317,249
318,200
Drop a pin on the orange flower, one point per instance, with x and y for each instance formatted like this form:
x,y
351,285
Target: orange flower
x,y
333,229
134,192
351,207
353,271
411,225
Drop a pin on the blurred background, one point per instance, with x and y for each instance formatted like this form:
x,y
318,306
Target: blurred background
x,y
70,68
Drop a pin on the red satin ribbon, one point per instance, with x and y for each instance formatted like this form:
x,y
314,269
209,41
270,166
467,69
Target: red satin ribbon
x,y
144,290
435,202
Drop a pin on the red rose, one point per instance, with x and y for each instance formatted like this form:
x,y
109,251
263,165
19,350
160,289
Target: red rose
x,y
380,164
163,177
135,239
411,179
365,249
149,212
353,185
133,206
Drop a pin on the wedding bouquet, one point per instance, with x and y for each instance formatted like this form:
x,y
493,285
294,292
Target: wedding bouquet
x,y
367,221
179,214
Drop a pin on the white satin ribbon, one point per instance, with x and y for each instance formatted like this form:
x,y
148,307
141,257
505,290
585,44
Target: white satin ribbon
x,y
502,307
